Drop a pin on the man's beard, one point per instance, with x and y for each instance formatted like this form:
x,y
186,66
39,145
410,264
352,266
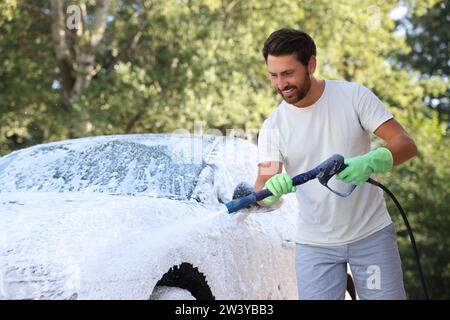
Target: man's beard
x,y
299,92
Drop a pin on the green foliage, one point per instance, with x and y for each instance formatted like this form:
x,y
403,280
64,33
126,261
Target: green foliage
x,y
27,70
422,187
200,62
427,35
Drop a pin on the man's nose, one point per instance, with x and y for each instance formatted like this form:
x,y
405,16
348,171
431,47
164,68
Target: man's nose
x,y
281,83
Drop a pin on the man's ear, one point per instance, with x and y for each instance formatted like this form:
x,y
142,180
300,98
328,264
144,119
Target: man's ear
x,y
312,65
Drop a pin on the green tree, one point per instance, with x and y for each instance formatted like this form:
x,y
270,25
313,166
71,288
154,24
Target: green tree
x,y
428,37
422,187
28,104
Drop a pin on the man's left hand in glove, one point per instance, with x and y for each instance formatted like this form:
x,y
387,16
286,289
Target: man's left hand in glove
x,y
361,167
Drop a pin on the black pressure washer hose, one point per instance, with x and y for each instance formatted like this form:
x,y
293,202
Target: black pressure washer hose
x,y
410,233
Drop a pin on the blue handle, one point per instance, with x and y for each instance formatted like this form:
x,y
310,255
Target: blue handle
x,y
323,172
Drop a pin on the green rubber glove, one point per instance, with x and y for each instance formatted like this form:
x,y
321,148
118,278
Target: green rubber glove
x,y
279,184
361,167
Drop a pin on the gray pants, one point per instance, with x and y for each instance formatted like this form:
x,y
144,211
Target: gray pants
x,y
374,261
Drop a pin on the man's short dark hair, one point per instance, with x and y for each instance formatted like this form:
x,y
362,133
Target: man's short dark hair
x,y
288,41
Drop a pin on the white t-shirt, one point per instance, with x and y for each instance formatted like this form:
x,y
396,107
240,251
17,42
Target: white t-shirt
x,y
301,138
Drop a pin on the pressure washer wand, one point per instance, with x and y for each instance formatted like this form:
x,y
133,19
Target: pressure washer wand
x,y
323,172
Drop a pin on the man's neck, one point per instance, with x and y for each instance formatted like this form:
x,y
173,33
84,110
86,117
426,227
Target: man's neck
x,y
314,93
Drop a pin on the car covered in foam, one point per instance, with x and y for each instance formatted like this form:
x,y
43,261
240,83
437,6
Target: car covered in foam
x,y
140,217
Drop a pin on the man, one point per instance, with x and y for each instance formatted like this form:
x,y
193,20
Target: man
x,y
317,119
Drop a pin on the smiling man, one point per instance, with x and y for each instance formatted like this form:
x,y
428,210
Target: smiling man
x,y
316,119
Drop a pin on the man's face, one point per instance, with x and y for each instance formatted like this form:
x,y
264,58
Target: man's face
x,y
289,77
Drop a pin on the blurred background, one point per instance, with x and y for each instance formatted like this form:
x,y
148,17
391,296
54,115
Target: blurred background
x,y
83,68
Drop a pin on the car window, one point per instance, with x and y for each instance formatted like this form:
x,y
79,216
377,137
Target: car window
x,y
153,165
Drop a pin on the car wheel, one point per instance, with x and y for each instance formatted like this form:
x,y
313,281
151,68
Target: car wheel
x,y
171,293
187,277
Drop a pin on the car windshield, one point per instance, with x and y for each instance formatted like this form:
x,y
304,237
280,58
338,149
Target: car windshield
x,y
156,165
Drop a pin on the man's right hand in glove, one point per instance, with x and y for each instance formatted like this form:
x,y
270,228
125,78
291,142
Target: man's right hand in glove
x,y
279,185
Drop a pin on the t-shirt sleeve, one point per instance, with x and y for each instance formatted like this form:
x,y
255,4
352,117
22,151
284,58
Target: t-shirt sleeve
x,y
269,143
371,111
